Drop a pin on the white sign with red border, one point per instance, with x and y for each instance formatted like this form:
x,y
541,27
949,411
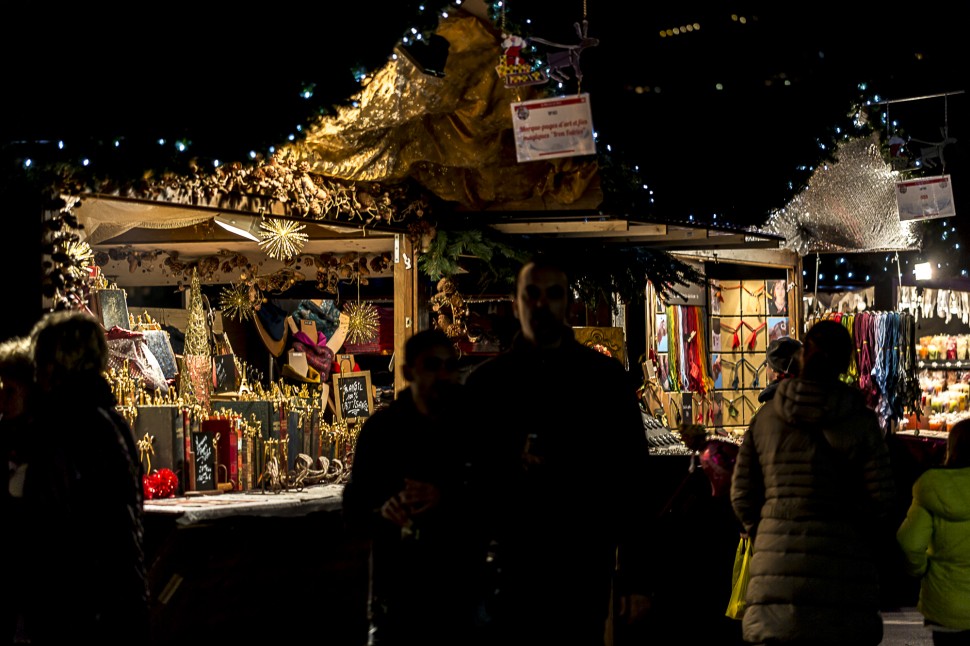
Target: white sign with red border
x,y
925,199
548,128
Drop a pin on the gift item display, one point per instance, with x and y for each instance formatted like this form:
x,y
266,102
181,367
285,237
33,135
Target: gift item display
x,y
885,365
944,382
708,363
745,317
945,304
934,351
206,423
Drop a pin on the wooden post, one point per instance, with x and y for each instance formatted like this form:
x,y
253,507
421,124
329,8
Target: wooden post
x,y
405,302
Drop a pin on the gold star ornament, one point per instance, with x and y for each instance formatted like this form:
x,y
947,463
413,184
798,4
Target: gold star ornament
x,y
282,239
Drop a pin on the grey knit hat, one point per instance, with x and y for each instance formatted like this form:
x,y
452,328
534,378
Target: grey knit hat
x,y
781,354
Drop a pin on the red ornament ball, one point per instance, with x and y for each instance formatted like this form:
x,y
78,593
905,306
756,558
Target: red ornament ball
x,y
160,483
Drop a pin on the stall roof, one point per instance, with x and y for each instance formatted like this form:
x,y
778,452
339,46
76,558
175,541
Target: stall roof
x,y
410,145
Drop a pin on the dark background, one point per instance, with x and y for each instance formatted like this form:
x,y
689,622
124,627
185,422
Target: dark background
x,y
232,80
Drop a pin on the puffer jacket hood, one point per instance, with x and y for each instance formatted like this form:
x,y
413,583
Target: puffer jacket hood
x,y
943,493
806,403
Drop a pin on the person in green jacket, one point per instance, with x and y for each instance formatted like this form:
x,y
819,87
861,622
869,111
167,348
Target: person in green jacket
x,y
935,538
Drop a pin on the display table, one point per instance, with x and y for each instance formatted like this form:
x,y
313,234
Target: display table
x,y
250,568
193,509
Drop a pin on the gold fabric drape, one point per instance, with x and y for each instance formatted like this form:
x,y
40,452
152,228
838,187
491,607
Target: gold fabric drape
x,y
451,134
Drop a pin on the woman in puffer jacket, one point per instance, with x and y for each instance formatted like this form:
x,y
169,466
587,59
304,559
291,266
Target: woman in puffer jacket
x,y
813,485
935,537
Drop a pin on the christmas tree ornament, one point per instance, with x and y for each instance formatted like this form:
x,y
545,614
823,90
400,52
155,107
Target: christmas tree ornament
x,y
364,319
568,58
364,322
236,303
282,239
80,259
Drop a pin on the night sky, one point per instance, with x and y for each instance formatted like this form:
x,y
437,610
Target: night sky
x,y
227,82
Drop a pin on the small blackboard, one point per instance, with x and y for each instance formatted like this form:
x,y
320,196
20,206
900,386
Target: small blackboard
x,y
352,396
111,306
204,448
224,373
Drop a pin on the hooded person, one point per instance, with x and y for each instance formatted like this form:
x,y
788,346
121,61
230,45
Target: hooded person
x,y
935,537
814,488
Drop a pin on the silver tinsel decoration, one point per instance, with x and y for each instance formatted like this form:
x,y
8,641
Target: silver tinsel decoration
x,y
849,205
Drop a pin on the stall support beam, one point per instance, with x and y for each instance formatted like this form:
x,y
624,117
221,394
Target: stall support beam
x,y
405,302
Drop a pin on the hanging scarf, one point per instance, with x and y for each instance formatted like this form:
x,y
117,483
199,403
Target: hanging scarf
x,y
674,350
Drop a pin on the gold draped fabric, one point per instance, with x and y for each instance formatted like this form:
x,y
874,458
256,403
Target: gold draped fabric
x,y
451,134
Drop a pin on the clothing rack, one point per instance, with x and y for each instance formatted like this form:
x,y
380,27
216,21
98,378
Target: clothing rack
x,y
885,363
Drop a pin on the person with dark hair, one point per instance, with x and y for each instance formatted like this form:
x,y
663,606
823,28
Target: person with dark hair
x,y
83,496
563,472
778,298
16,386
407,495
935,539
781,363
813,487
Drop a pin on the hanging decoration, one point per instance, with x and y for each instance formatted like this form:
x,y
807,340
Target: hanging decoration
x,y
236,302
364,320
451,310
515,67
930,154
848,205
558,63
80,258
67,262
282,239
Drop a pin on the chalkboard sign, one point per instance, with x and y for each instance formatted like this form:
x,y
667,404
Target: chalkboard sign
x,y
204,448
111,306
224,373
352,395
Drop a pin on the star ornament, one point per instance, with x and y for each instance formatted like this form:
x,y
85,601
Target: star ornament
x,y
363,323
81,258
235,303
282,239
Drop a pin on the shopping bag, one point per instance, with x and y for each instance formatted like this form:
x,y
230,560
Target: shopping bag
x,y
739,579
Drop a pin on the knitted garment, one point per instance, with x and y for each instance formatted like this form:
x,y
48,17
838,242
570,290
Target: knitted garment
x,y
318,355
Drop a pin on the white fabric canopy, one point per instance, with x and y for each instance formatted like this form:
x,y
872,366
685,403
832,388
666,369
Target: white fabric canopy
x,y
104,218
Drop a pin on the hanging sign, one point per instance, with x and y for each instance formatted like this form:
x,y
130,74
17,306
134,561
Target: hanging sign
x,y
549,128
925,199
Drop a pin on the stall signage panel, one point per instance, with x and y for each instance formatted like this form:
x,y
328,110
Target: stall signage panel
x,y
204,450
549,128
925,199
352,394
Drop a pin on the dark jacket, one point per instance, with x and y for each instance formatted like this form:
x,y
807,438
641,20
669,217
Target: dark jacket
x,y
769,391
83,494
562,469
423,586
813,485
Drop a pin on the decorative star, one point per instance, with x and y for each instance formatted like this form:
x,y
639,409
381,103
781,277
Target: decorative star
x,y
363,324
282,239
235,302
81,258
